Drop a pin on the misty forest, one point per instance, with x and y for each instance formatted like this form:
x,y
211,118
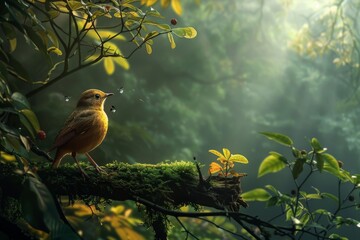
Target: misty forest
x,y
226,119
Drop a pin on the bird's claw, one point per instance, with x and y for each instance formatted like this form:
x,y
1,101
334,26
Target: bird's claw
x,y
100,170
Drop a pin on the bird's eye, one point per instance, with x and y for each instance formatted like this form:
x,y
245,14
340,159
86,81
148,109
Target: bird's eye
x,y
97,96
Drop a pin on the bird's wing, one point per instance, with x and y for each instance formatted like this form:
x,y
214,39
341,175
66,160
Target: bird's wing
x,y
77,123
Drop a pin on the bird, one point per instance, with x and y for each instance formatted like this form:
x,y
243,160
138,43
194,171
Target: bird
x,y
84,129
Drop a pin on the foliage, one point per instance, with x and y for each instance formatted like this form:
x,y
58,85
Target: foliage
x,y
117,222
227,160
300,209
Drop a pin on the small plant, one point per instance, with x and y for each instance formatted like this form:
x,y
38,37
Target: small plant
x,y
227,163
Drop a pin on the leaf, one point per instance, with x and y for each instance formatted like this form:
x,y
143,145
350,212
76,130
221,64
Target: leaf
x,y
122,62
171,40
10,33
272,201
257,194
217,153
188,32
148,48
55,50
305,218
331,162
30,121
271,164
39,209
109,66
316,145
236,174
214,168
165,3
151,35
330,196
36,39
19,101
337,236
279,138
226,153
25,142
239,158
176,6
313,196
319,161
165,27
298,167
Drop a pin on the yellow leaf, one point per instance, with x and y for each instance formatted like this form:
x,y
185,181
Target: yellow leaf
x,y
150,2
165,3
239,158
7,157
118,209
60,6
128,212
104,35
55,50
148,48
227,153
171,40
176,6
187,32
12,43
216,153
214,168
110,48
109,66
122,62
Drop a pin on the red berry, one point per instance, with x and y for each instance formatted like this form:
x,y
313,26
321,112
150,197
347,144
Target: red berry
x,y
173,21
41,135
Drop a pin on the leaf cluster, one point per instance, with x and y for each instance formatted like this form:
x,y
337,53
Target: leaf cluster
x,y
296,208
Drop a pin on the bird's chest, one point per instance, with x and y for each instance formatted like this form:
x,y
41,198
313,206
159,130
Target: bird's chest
x,y
95,134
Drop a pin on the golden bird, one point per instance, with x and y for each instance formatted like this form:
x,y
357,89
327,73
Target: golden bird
x,y
84,129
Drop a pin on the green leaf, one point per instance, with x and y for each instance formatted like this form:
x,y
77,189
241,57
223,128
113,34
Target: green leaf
x,y
30,121
19,101
271,164
39,209
188,32
171,40
298,167
36,39
272,201
316,145
257,194
337,236
319,161
313,196
330,196
165,27
305,218
279,138
273,189
330,162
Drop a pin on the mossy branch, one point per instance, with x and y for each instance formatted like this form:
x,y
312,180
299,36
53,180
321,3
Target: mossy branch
x,y
167,184
164,186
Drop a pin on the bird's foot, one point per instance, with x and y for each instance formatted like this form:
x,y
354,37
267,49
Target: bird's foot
x,y
100,170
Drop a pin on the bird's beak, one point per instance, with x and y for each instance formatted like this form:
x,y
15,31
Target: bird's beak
x,y
108,94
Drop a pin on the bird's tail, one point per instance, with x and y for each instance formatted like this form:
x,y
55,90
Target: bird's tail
x,y
58,156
